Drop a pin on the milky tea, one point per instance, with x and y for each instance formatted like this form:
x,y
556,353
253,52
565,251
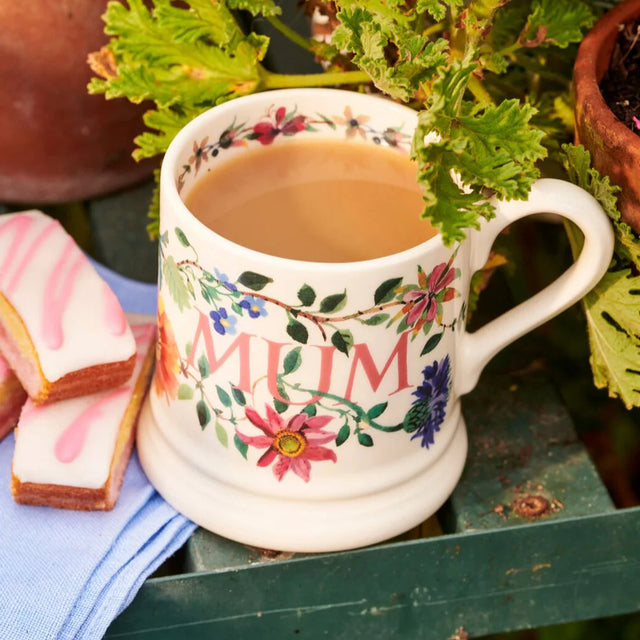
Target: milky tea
x,y
317,200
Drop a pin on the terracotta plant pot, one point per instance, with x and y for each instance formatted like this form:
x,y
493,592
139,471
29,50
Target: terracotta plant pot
x,y
614,148
57,143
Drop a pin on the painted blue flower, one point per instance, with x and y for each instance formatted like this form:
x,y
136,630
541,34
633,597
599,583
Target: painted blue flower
x,y
223,279
254,306
223,323
428,409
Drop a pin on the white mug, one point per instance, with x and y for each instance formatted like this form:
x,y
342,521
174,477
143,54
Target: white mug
x,y
308,406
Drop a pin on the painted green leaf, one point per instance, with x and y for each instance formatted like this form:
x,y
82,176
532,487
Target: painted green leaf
x,y
238,396
343,434
333,303
379,318
204,415
306,295
182,237
298,331
203,366
254,281
175,283
242,447
292,361
386,290
365,439
432,343
377,410
222,435
224,396
185,392
310,410
280,406
342,340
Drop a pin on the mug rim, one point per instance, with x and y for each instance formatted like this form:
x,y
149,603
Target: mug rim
x,y
169,195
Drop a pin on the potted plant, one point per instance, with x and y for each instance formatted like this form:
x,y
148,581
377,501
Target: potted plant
x,y
490,78
57,143
607,57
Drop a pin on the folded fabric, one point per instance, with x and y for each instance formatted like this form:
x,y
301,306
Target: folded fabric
x,y
67,574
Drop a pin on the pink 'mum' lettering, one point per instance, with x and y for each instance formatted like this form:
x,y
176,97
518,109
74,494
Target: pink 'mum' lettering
x,y
240,344
324,382
362,356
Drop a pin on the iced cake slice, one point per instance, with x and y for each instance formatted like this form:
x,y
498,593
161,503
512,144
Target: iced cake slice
x,y
73,453
12,397
62,329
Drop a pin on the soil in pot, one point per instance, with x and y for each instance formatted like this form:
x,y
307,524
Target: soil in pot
x,y
619,86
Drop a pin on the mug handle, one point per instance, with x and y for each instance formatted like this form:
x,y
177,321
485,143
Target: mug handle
x,y
548,195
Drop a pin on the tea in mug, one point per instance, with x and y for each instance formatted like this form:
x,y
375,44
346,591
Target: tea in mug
x,y
316,200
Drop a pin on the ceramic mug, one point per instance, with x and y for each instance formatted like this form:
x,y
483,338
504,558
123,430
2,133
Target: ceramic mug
x,y
308,406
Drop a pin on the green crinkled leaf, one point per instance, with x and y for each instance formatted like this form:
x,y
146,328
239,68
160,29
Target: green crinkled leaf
x,y
479,146
436,8
613,319
256,7
175,283
369,33
557,23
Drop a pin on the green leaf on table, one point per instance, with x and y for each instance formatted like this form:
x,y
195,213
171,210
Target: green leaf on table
x,y
613,320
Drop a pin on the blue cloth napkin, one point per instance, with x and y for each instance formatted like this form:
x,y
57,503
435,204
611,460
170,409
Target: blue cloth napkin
x,y
67,574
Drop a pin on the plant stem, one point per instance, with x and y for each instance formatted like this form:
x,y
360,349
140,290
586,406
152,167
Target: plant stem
x,y
284,80
291,34
479,91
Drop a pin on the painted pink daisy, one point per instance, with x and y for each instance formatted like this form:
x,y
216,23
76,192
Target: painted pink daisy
x,y
292,445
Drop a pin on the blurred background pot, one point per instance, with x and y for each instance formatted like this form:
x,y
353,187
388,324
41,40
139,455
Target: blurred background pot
x,y
614,147
57,143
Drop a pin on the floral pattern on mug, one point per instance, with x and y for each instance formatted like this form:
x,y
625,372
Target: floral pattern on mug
x,y
278,121
294,443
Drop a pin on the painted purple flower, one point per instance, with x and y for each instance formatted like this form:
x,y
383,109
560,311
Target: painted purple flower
x,y
429,408
292,445
223,279
223,323
254,306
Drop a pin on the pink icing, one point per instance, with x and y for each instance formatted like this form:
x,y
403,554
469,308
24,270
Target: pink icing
x,y
72,439
114,316
57,293
21,224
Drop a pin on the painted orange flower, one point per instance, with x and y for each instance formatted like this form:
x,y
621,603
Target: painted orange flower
x,y
353,123
165,380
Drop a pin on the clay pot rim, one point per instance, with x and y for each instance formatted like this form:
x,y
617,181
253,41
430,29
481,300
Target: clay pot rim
x,y
587,74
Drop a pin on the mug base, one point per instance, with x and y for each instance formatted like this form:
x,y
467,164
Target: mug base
x,y
311,526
